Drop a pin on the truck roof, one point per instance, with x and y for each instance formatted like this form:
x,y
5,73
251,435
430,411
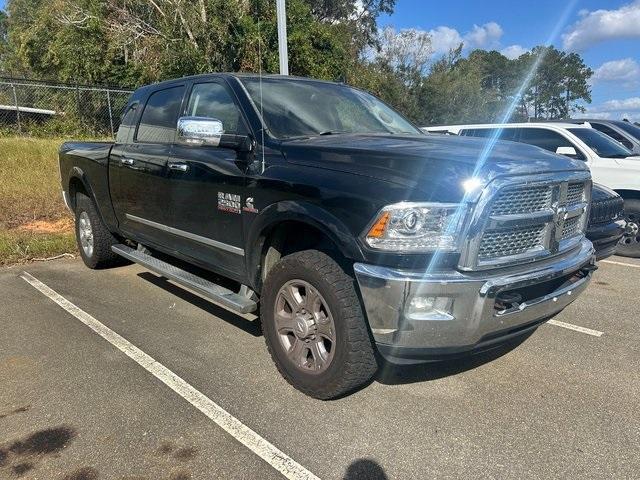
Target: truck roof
x,y
249,75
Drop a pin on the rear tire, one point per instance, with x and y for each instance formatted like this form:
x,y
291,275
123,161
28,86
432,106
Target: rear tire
x,y
314,327
629,245
93,238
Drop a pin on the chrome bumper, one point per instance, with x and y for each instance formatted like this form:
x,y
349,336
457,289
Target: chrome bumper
x,y
449,312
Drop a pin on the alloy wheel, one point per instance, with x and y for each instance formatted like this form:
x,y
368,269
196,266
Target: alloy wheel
x,y
305,326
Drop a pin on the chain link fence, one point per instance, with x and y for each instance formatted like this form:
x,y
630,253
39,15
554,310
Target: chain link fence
x,y
30,107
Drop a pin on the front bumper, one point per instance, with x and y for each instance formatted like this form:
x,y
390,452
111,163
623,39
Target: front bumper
x,y
476,309
605,237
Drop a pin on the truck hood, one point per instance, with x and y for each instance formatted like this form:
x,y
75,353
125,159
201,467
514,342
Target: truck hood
x,y
435,165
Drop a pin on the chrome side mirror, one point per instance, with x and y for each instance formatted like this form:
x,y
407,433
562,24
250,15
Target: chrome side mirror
x,y
568,151
200,131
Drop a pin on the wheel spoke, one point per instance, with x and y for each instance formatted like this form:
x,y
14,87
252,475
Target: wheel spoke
x,y
312,301
319,353
284,321
292,295
297,353
325,328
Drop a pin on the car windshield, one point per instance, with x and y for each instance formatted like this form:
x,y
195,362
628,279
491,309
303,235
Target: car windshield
x,y
600,143
303,108
630,128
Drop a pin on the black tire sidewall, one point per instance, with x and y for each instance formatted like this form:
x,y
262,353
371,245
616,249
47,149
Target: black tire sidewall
x,y
282,273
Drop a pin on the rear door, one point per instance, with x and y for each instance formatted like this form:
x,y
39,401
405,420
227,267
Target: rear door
x,y
207,185
138,169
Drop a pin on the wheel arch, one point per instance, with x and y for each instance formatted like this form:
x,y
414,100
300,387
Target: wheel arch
x,y
78,183
268,235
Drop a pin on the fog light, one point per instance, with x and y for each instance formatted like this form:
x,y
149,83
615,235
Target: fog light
x,y
429,308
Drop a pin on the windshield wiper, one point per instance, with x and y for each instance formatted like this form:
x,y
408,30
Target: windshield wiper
x,y
331,132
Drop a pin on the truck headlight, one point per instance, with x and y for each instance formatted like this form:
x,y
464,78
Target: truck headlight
x,y
417,227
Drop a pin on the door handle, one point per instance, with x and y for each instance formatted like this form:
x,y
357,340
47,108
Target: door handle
x,y
127,161
178,167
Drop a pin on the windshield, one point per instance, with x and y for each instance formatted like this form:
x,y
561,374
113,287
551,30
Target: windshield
x,y
303,108
630,129
603,145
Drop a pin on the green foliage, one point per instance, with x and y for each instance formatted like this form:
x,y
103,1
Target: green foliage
x,y
135,42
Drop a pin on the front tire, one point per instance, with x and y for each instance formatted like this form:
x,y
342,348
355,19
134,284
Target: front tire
x,y
314,326
629,245
93,238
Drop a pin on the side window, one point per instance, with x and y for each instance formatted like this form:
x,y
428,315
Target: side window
x,y
613,134
160,116
505,134
212,100
126,124
509,134
547,139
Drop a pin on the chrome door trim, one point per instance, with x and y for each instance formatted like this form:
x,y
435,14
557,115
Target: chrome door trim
x,y
191,236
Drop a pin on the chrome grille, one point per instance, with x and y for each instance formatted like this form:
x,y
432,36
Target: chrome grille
x,y
506,243
570,227
529,221
575,193
522,200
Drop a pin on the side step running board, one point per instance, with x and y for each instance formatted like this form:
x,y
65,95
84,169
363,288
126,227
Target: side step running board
x,y
212,291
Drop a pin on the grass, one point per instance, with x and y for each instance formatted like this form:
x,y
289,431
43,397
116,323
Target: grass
x,y
34,223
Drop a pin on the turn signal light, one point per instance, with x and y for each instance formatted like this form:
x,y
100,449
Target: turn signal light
x,y
377,229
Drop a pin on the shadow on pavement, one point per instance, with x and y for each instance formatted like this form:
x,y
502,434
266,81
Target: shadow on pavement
x,y
251,327
364,468
391,374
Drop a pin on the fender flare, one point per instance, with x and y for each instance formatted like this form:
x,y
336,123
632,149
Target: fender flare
x,y
78,174
304,212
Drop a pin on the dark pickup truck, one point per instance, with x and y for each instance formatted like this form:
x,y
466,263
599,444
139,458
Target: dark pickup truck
x,y
361,239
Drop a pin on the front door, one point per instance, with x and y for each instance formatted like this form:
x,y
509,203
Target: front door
x,y
207,186
138,169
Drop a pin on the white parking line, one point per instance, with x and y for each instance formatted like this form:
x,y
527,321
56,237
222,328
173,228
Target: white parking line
x,y
570,326
234,427
633,265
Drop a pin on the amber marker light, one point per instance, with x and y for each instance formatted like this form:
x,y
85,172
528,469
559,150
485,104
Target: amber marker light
x,y
377,229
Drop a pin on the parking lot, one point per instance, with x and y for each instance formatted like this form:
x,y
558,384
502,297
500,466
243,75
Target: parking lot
x,y
200,398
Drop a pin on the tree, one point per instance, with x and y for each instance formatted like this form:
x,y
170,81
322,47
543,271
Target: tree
x,y
558,82
576,86
133,42
3,36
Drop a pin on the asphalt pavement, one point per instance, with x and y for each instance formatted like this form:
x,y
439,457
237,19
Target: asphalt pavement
x,y
74,405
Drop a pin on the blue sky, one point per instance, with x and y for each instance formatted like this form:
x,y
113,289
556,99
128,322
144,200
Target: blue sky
x,y
605,32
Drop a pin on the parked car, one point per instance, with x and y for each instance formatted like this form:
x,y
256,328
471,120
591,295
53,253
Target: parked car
x,y
356,234
611,164
624,133
606,221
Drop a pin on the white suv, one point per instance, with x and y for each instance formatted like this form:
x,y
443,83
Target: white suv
x,y
611,163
